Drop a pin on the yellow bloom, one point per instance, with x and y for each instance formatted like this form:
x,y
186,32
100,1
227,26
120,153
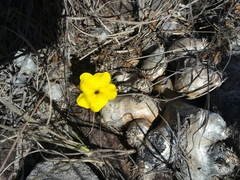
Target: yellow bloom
x,y
96,91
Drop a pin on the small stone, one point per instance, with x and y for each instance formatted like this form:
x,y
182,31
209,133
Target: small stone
x,y
56,170
55,92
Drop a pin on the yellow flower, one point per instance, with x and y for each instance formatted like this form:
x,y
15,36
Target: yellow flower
x,y
96,91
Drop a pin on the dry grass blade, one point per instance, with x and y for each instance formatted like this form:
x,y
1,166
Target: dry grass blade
x,y
64,39
65,143
17,110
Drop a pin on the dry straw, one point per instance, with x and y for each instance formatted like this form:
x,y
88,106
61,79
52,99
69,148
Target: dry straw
x,y
73,35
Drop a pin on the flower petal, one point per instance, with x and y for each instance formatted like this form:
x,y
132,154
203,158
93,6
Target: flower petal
x,y
101,79
97,90
83,101
85,76
109,92
86,83
98,103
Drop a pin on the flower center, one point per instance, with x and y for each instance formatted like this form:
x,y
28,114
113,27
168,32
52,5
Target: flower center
x,y
96,92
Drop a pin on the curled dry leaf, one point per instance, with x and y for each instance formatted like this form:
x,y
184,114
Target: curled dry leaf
x,y
237,7
172,27
185,45
192,138
195,79
156,64
130,81
136,132
131,63
124,109
142,85
163,85
183,48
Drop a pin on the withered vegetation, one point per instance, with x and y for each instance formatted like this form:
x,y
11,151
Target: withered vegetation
x,y
68,37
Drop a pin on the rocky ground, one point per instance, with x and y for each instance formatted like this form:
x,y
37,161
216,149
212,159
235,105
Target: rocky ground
x,y
46,45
